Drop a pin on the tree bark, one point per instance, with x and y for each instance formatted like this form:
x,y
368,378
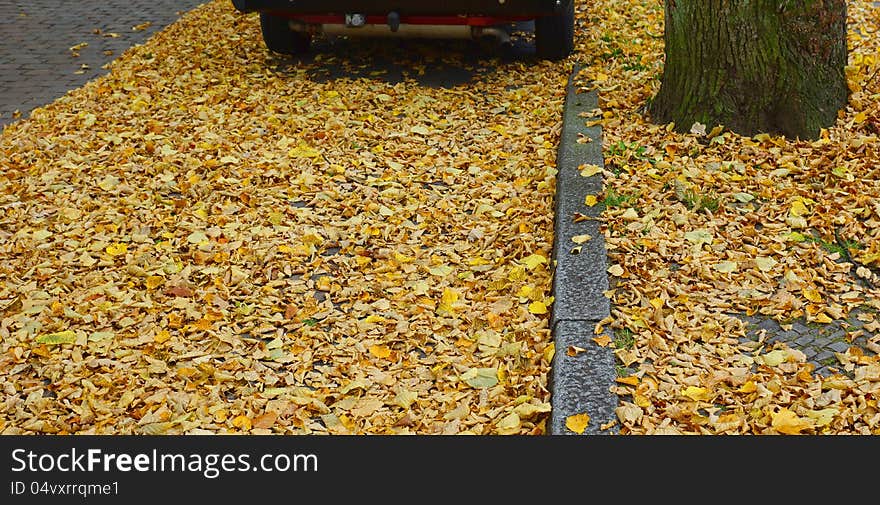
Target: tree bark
x,y
753,66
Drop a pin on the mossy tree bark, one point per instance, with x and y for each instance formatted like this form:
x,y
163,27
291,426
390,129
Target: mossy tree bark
x,y
754,66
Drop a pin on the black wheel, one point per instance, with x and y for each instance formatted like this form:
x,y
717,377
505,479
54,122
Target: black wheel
x,y
554,35
280,38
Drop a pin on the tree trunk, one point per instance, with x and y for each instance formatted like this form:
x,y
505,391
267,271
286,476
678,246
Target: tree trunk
x,y
754,66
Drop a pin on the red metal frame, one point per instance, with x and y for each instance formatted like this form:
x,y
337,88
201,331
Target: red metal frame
x,y
414,20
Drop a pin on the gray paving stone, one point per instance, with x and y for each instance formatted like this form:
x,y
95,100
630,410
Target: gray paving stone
x,y
819,343
805,340
36,64
800,328
580,383
839,346
824,355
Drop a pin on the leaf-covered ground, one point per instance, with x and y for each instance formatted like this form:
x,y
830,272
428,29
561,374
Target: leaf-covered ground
x,y
210,240
205,241
707,227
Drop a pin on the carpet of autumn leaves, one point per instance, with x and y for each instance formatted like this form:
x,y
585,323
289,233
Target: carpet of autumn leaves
x,y
209,240
706,227
204,242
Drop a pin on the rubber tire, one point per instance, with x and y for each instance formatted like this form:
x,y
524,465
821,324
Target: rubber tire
x,y
280,38
554,35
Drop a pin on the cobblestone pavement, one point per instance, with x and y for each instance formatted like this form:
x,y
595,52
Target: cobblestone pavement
x,y
48,47
819,342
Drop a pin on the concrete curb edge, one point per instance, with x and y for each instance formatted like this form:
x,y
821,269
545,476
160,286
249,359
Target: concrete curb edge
x,y
580,380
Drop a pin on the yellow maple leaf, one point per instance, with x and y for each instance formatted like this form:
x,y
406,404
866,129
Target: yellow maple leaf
x,y
533,260
538,308
641,400
525,291
549,352
748,387
867,258
449,297
577,422
154,281
812,295
61,337
787,422
380,351
402,258
589,170
516,274
116,249
697,394
242,422
323,283
823,417
304,151
799,207
726,267
162,336
773,358
602,341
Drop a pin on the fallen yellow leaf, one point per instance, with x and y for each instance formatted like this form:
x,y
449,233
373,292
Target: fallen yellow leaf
x,y
697,394
537,308
533,260
812,295
242,422
602,341
116,249
380,351
577,422
154,281
787,422
589,169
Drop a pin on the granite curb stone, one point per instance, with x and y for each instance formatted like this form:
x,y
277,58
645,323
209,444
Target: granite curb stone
x,y
582,372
